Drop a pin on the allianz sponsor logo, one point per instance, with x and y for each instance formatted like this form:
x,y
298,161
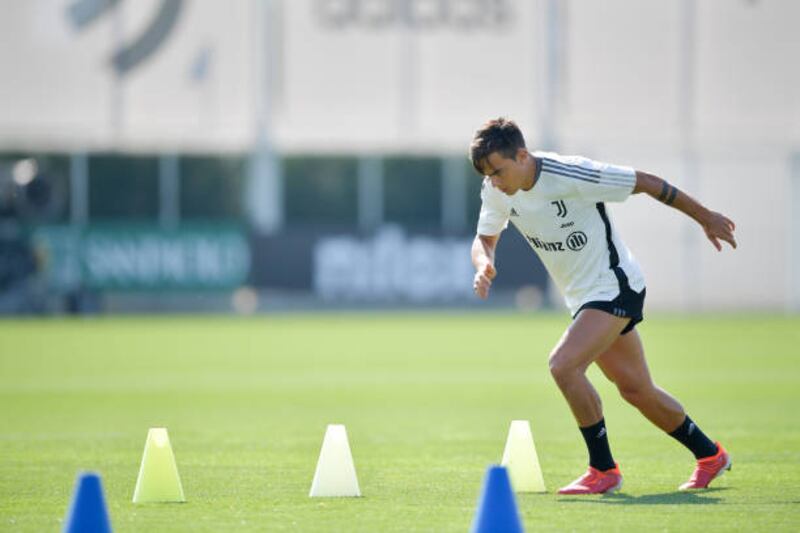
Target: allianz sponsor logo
x,y
575,242
544,245
392,265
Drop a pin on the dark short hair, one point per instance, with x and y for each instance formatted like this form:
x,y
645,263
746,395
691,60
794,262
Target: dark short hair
x,y
499,135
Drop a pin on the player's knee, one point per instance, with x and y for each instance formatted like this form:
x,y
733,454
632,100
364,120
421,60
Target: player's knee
x,y
634,393
560,367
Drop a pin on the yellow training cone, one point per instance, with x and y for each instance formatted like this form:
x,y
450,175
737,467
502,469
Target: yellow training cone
x,y
158,476
521,460
336,473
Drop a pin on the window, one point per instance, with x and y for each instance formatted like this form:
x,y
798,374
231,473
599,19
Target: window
x,y
123,187
34,187
412,190
321,190
473,184
212,187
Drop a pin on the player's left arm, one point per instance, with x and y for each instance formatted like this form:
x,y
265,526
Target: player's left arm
x,y
716,225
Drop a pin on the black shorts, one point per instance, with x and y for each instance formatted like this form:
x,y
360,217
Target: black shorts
x,y
629,303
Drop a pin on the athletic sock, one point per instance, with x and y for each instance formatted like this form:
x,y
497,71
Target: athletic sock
x,y
693,438
596,438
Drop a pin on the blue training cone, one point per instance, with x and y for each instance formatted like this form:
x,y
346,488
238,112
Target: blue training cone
x,y
88,513
497,508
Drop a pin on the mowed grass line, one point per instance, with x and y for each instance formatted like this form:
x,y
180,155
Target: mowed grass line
x,y
426,398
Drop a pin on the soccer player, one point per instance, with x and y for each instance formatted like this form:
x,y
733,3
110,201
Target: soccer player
x,y
558,203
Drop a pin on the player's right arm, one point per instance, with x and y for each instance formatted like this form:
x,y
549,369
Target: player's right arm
x,y
483,248
716,226
493,219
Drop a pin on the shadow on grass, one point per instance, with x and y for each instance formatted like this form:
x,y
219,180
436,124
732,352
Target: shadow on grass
x,y
666,498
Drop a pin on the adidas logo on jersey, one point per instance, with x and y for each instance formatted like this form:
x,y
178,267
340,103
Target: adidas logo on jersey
x,y
514,212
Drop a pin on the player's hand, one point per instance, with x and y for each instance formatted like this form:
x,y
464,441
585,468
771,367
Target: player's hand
x,y
483,280
719,227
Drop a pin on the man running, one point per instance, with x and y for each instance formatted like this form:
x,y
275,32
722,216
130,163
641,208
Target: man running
x,y
558,204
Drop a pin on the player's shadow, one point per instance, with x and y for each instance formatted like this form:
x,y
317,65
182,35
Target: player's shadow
x,y
666,498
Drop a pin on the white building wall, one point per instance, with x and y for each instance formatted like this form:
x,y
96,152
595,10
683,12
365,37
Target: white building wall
x,y
701,92
59,90
727,137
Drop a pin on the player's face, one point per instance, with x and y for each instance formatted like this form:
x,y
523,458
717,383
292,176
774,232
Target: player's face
x,y
509,175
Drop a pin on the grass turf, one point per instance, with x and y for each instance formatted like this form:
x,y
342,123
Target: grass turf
x,y
427,400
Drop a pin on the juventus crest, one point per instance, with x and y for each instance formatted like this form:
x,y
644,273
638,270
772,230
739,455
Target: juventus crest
x,y
561,207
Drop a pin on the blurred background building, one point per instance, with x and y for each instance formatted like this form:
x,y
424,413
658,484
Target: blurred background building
x,y
259,154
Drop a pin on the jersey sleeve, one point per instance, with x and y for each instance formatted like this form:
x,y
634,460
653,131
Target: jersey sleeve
x,y
594,180
495,212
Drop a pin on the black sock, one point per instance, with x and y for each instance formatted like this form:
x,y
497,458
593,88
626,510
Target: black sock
x,y
596,439
690,436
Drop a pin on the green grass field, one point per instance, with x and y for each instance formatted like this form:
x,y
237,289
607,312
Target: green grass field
x,y
427,400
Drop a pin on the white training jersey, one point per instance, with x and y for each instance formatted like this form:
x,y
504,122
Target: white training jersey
x,y
565,220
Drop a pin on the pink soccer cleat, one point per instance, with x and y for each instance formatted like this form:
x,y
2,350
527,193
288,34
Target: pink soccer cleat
x,y
595,482
708,468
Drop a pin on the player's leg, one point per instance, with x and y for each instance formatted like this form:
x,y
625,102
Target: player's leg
x,y
624,364
589,336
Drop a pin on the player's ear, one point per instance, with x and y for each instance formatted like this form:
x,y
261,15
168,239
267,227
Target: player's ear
x,y
522,155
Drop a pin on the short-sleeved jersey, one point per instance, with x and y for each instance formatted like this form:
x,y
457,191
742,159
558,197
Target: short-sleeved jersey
x,y
565,220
